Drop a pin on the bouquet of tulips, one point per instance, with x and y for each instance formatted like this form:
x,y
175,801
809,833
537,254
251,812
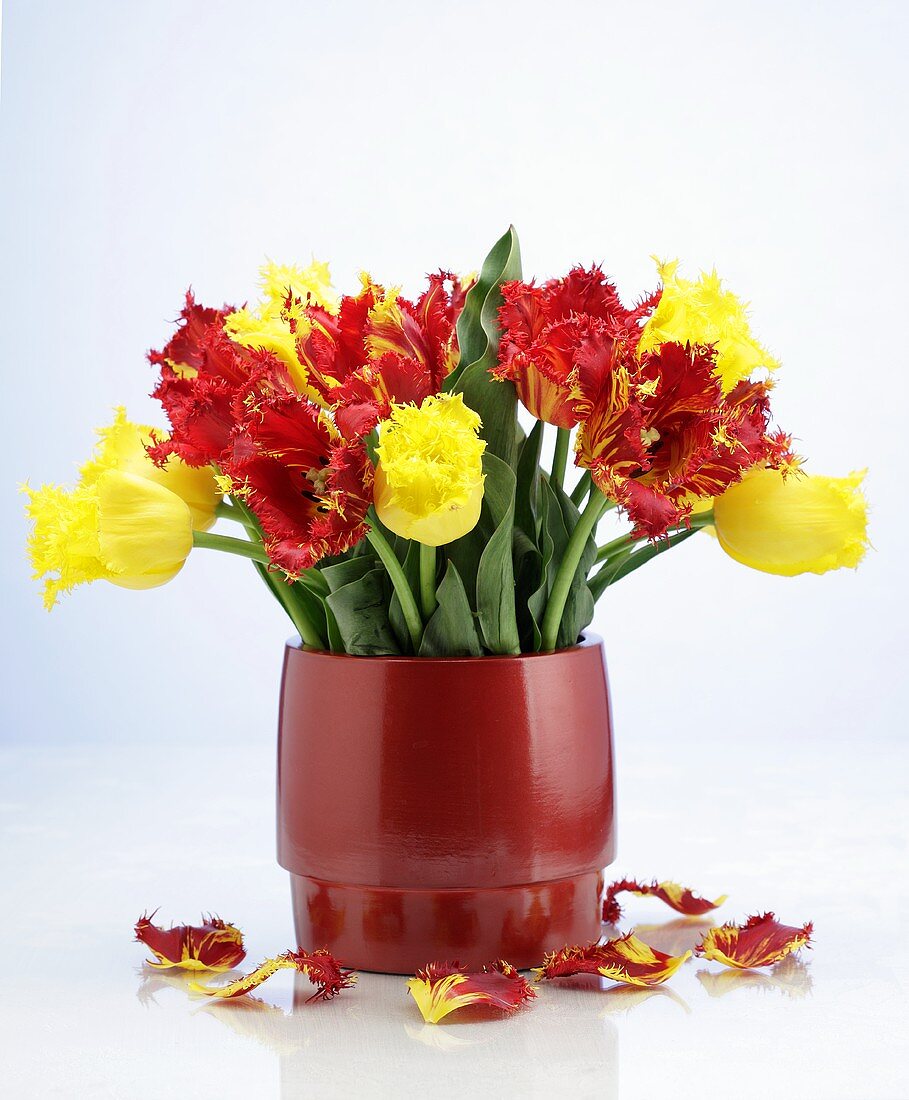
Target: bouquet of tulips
x,y
368,452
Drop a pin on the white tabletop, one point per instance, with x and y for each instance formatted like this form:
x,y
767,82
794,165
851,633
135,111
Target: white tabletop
x,y
94,835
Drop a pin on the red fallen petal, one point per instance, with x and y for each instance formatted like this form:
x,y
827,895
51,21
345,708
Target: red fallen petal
x,y
321,967
677,897
760,941
213,945
443,987
626,959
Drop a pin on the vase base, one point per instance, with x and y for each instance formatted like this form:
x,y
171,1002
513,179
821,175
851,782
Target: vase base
x,y
395,931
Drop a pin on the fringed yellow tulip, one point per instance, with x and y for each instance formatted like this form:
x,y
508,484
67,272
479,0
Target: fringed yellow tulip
x,y
118,527
268,326
800,524
122,447
429,477
702,312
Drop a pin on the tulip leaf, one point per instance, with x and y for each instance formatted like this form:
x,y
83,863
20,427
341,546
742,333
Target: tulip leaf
x,y
528,565
495,573
452,631
478,324
579,606
559,517
478,340
360,610
527,493
344,572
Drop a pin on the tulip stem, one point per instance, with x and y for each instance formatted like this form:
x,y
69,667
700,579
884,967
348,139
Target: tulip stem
x,y
560,456
624,562
240,547
279,587
399,581
427,580
223,510
574,551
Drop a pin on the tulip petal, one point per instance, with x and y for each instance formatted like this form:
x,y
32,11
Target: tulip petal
x,y
443,988
212,945
760,941
677,897
626,959
321,967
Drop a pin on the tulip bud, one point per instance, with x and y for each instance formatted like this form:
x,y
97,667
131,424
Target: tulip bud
x,y
429,477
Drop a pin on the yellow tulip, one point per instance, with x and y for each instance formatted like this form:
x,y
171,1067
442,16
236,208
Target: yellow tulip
x,y
803,524
118,527
429,477
122,447
268,325
702,312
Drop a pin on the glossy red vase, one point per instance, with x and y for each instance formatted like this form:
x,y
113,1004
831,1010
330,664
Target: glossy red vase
x,y
445,809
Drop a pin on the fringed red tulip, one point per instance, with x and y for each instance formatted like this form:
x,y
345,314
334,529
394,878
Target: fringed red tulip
x,y
677,897
308,488
626,959
760,941
212,945
321,967
543,328
443,988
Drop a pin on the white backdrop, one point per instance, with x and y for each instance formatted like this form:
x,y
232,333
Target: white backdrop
x,y
150,145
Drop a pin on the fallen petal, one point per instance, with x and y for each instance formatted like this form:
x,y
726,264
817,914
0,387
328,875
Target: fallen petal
x,y
626,959
677,897
212,945
442,988
321,967
760,941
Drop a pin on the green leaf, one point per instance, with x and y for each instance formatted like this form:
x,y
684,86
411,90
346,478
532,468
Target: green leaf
x,y
478,326
345,572
527,493
579,605
451,632
360,609
559,517
528,571
495,574
478,340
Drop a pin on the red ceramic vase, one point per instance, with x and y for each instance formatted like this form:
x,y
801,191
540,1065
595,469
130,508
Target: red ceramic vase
x,y
434,809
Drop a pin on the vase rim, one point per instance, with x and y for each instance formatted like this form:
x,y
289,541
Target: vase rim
x,y
588,640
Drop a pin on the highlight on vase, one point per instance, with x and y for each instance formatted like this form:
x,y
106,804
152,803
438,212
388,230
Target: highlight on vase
x,y
379,459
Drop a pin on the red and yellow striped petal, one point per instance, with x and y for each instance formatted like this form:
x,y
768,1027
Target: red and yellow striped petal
x,y
760,941
626,959
677,897
212,945
321,967
442,988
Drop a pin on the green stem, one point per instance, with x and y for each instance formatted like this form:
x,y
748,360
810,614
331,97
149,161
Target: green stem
x,y
562,584
240,547
254,550
609,548
581,489
390,560
427,580
621,564
305,627
560,457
